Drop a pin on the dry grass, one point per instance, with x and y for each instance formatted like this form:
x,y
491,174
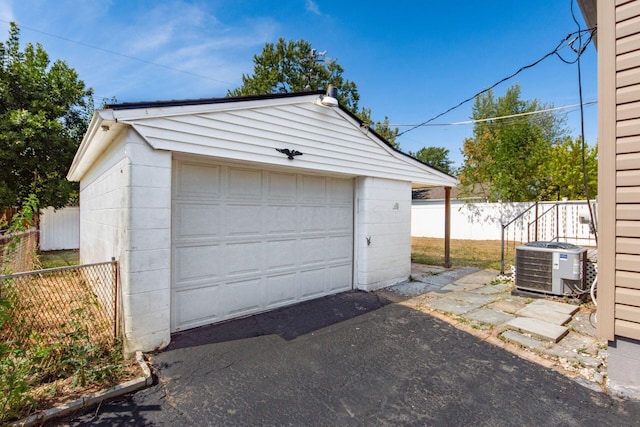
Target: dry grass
x,y
483,254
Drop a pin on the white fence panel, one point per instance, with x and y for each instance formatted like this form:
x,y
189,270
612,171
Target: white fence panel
x,y
60,229
483,221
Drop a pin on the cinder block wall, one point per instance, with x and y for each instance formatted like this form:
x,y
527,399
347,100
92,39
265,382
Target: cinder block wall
x,y
146,268
383,226
133,224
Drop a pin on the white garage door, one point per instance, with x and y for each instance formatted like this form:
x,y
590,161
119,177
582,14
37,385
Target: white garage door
x,y
248,240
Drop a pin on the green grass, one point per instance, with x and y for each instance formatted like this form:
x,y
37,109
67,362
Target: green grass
x,y
64,258
483,254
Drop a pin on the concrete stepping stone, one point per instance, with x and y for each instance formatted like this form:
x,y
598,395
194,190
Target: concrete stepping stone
x,y
452,306
509,305
545,313
556,306
538,328
481,277
492,317
492,289
474,298
525,341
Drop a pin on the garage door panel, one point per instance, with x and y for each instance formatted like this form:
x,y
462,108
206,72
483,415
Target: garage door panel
x,y
312,283
340,190
340,218
340,277
313,188
243,219
243,257
195,307
242,297
255,240
244,184
282,219
194,262
282,186
198,180
197,220
281,254
313,218
281,289
339,248
312,251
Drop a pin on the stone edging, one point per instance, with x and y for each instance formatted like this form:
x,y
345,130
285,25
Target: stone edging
x,y
94,398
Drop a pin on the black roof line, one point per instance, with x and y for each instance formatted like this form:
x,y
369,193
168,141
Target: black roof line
x,y
359,120
205,101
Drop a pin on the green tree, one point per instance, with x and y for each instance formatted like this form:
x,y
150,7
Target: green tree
x,y
381,128
294,66
438,157
565,172
44,112
506,158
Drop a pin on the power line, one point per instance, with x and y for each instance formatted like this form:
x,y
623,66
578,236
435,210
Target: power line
x,y
468,122
112,52
555,51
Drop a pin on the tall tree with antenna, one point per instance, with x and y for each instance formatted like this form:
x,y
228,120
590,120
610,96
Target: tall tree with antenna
x,y
295,66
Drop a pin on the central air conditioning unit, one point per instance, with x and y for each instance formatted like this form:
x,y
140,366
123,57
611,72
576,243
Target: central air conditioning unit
x,y
551,268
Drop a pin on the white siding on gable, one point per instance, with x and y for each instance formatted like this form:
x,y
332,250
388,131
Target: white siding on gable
x,y
329,140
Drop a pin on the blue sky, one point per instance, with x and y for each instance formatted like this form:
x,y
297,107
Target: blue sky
x,y
411,60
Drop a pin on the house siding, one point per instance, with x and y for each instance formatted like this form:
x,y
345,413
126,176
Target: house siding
x,y
626,259
384,218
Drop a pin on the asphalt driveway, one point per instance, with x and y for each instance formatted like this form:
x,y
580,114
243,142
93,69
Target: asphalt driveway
x,y
353,359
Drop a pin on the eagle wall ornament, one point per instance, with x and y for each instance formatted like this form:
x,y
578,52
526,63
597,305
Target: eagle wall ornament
x,y
289,153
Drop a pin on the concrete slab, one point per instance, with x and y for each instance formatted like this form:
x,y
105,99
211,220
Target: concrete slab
x,y
413,288
509,305
525,341
452,288
584,323
450,305
474,298
538,328
492,317
481,277
543,312
492,289
556,306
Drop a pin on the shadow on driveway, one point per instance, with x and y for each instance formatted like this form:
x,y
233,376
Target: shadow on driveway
x,y
287,322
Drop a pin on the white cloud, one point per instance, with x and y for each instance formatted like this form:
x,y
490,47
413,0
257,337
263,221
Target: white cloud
x,y
312,7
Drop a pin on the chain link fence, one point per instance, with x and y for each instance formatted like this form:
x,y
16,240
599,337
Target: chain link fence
x,y
54,305
18,251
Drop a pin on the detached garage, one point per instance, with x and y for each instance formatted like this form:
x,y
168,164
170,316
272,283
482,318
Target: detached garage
x,y
221,208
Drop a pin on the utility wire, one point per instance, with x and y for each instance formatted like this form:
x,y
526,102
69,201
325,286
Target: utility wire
x,y
112,52
555,51
585,180
468,122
